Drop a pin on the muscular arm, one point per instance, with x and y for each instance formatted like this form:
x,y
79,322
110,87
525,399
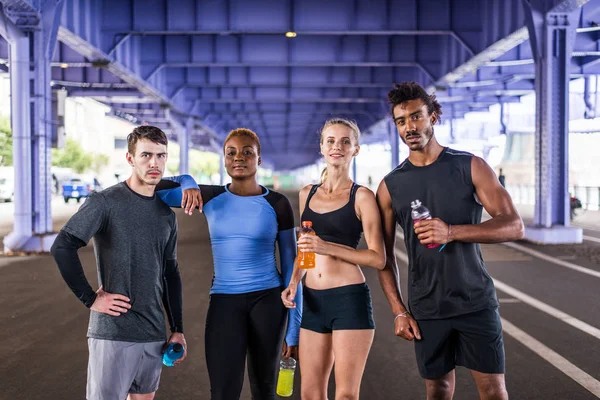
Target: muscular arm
x,y
64,251
506,223
389,277
504,226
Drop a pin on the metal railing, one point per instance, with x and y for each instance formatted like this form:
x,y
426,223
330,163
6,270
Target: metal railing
x,y
588,195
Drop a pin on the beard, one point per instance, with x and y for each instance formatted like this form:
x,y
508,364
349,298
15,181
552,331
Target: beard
x,y
424,138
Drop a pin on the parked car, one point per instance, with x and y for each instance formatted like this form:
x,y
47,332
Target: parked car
x,y
76,189
7,189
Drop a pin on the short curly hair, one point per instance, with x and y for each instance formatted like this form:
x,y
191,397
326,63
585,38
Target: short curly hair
x,y
406,91
246,133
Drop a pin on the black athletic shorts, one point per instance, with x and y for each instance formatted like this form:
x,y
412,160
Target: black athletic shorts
x,y
472,340
340,308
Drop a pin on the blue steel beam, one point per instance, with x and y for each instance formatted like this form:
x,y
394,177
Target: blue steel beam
x,y
552,35
231,33
32,45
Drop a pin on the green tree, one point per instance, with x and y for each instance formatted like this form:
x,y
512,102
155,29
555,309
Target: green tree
x,y
99,161
6,148
203,164
72,156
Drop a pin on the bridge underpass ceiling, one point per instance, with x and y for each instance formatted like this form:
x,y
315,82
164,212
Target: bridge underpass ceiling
x,y
228,63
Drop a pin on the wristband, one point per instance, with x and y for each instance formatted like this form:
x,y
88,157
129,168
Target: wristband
x,y
403,315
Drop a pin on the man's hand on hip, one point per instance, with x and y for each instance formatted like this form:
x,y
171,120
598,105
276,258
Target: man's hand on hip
x,y
111,304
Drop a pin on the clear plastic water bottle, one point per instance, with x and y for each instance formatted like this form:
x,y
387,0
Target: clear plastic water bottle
x,y
306,260
419,213
285,380
173,353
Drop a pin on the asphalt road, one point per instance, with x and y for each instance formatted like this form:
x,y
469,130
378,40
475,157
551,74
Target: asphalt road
x,y
551,312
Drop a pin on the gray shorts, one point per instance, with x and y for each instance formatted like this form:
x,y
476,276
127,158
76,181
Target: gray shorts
x,y
117,368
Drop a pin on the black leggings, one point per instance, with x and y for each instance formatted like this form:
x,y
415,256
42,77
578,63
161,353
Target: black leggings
x,y
237,324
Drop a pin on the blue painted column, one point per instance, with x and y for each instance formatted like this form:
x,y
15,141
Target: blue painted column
x,y
31,101
221,168
185,136
395,143
552,29
219,150
21,128
181,131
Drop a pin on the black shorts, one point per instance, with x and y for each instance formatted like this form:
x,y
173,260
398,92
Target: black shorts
x,y
340,308
472,340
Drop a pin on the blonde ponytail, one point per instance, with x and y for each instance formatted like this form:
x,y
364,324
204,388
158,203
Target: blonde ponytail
x,y
323,175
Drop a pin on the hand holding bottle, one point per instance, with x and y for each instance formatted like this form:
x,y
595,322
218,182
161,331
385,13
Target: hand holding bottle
x,y
306,257
431,232
285,380
175,350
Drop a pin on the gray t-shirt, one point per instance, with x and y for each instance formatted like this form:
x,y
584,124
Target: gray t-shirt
x,y
134,236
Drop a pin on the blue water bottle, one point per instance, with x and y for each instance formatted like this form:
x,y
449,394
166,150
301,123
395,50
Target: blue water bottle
x,y
173,353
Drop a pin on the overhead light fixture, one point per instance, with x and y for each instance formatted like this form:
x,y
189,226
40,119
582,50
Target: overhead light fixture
x,y
290,34
64,65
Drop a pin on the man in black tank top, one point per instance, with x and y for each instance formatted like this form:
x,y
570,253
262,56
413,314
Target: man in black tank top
x,y
452,307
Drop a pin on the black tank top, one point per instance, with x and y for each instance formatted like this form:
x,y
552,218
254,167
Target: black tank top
x,y
454,281
340,226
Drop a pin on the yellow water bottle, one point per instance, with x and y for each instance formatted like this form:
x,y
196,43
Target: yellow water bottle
x,y
285,381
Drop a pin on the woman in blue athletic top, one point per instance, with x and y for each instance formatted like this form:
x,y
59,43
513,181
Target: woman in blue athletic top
x,y
245,314
337,321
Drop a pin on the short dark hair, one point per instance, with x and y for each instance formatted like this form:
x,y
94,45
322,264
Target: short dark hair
x,y
406,91
149,132
244,132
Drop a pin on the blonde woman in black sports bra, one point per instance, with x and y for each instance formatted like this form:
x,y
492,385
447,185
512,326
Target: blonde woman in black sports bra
x,y
337,322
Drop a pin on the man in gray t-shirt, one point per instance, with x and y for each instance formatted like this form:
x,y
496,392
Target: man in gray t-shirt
x,y
135,243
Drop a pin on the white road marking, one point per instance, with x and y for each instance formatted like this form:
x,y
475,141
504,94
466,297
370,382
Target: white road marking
x,y
558,361
553,260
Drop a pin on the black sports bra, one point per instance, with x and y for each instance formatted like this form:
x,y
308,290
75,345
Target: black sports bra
x,y
340,226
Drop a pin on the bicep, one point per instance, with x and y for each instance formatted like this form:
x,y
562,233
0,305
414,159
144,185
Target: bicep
x,y
386,213
492,195
371,222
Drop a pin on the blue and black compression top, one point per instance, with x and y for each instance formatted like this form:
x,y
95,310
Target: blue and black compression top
x,y
243,233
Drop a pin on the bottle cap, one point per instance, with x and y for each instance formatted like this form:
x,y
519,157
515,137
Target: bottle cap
x,y
178,347
288,363
306,223
416,203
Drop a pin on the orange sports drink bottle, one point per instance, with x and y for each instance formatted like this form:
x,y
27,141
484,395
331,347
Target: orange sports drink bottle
x,y
306,260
